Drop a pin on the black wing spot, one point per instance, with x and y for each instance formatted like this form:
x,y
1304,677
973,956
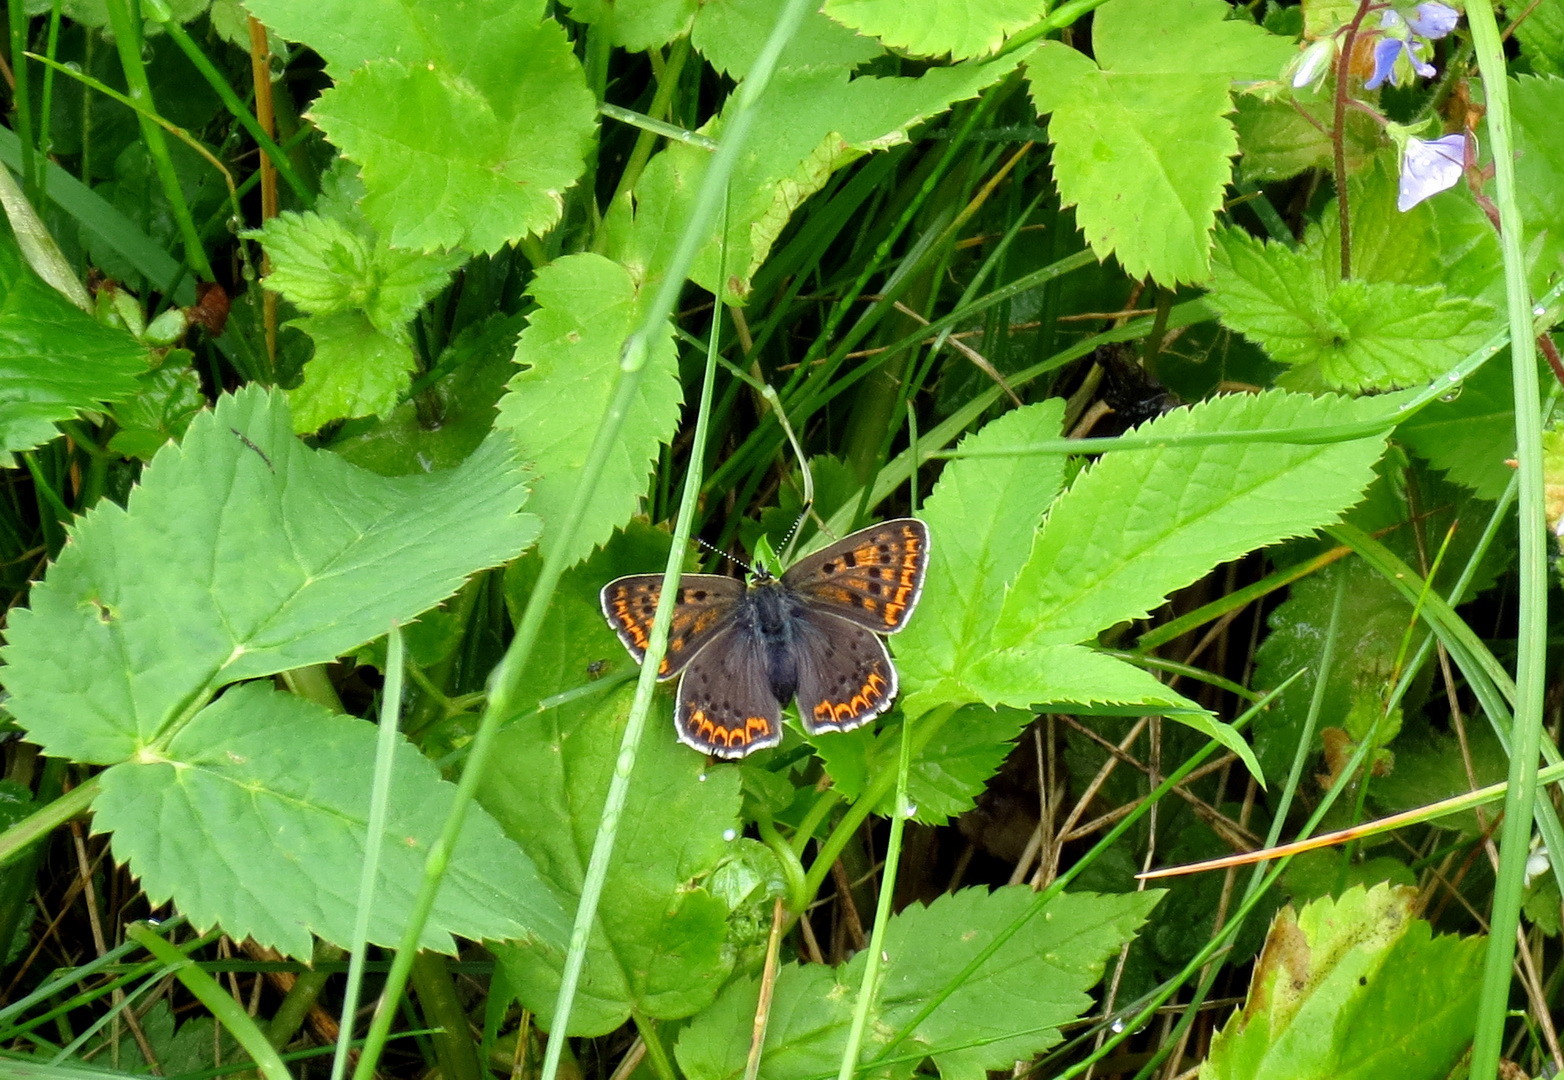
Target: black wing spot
x,y
700,595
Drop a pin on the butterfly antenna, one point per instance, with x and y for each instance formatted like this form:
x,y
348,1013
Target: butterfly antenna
x,y
736,561
807,476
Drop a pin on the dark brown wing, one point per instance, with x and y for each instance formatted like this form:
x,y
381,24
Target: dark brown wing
x,y
726,707
845,676
705,602
872,578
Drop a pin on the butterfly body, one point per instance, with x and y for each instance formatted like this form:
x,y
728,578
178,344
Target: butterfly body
x,y
745,651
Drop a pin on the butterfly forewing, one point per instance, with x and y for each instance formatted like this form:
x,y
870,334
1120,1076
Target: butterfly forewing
x,y
705,602
845,676
726,707
872,578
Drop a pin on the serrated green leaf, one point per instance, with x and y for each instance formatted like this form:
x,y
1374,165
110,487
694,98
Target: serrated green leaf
x,y
659,942
731,33
810,123
319,265
1471,436
1139,524
281,780
960,29
1353,989
1541,34
948,773
1009,1008
1357,334
356,370
587,307
241,554
1535,104
168,400
467,119
1142,143
448,419
55,360
981,517
637,25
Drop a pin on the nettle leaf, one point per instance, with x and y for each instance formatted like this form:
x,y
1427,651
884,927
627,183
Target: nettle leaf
x,y
587,307
1358,335
56,361
958,28
169,398
242,553
637,25
659,943
1541,35
356,371
1535,103
1351,989
731,33
468,120
282,780
1470,435
1010,1008
1142,143
981,517
949,771
810,123
359,294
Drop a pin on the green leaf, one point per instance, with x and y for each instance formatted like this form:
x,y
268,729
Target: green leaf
x,y
1541,34
1358,334
958,28
281,780
981,517
731,33
810,123
658,944
241,554
467,119
1470,436
1139,524
1351,989
1010,1008
448,419
587,307
56,362
947,775
1535,104
637,25
356,370
168,400
1142,143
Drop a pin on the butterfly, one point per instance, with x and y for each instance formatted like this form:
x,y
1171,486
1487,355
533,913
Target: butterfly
x,y
746,650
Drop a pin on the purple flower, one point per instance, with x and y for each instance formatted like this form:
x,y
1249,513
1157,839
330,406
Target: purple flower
x,y
1433,20
1429,166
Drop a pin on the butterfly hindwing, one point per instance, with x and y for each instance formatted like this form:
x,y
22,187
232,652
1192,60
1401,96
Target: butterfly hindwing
x,y
845,676
872,578
705,602
726,707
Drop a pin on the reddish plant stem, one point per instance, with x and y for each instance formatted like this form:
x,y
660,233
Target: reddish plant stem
x,y
1339,131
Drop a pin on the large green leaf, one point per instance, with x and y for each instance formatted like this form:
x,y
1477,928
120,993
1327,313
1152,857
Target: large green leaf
x,y
1141,137
659,944
1010,1008
241,554
637,25
810,123
1353,989
731,33
467,118
282,781
981,517
1356,334
958,28
587,307
55,360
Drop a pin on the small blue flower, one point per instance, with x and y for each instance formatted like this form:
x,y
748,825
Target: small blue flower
x,y
1433,20
1429,166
